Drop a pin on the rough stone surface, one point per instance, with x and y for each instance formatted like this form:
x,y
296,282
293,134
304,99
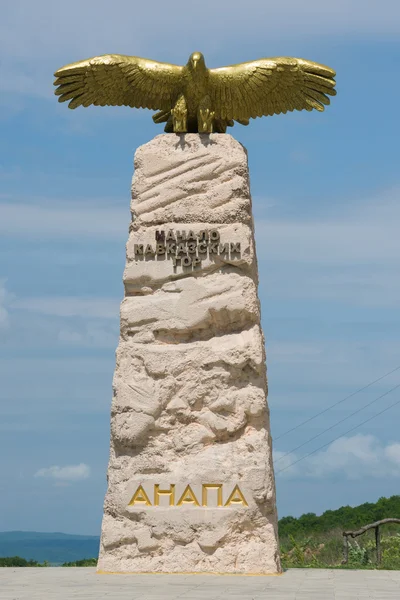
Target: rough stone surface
x,y
190,390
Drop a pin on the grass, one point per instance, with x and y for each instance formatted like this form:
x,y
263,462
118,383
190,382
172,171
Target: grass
x,y
325,551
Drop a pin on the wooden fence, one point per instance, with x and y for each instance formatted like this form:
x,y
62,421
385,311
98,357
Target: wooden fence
x,y
354,534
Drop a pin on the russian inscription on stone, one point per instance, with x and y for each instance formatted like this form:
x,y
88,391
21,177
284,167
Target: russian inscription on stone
x,y
187,248
206,495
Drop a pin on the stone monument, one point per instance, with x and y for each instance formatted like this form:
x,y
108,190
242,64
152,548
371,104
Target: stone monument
x,y
190,479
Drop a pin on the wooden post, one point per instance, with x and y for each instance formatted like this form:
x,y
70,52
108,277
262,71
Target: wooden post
x,y
378,545
345,549
354,534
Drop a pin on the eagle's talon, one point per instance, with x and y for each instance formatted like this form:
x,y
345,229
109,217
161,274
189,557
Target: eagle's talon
x,y
179,120
179,115
205,120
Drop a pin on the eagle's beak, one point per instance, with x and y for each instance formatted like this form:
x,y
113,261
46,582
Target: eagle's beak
x,y
195,61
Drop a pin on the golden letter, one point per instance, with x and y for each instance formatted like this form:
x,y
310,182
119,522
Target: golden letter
x,y
140,497
188,497
211,486
236,497
158,493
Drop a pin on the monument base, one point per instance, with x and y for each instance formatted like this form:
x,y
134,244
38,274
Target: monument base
x,y
190,480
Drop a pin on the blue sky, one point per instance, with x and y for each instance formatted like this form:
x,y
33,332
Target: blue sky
x,y
325,191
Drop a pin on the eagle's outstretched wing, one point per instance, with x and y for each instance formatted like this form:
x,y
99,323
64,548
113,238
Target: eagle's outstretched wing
x,y
114,79
270,86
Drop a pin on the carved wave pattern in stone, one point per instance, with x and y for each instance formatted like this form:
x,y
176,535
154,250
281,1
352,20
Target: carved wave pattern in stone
x,y
190,183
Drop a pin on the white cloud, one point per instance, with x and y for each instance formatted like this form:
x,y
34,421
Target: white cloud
x,y
392,452
58,220
296,352
90,322
45,25
351,255
91,335
69,473
359,232
353,457
54,386
3,309
328,371
71,306
374,285
38,37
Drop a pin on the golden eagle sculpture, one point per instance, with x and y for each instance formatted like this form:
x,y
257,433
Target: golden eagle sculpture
x,y
193,98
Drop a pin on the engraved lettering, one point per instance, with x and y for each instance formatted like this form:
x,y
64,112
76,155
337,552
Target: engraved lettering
x,y
187,248
158,493
196,261
211,486
188,497
202,247
181,235
181,249
236,497
235,247
203,235
140,497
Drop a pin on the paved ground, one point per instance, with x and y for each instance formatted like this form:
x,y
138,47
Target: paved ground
x,y
296,584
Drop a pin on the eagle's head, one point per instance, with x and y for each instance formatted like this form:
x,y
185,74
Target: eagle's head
x,y
196,61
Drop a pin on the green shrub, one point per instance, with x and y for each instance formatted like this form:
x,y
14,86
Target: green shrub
x,y
358,555
391,552
85,562
17,561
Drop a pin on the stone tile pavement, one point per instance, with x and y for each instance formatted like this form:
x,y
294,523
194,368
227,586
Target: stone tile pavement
x,y
295,584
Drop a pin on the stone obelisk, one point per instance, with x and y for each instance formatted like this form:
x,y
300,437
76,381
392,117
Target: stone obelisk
x,y
190,481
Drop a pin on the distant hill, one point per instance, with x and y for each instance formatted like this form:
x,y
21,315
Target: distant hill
x,y
56,548
346,517
317,541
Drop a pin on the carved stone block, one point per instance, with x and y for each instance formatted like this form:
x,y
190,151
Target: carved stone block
x,y
190,480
